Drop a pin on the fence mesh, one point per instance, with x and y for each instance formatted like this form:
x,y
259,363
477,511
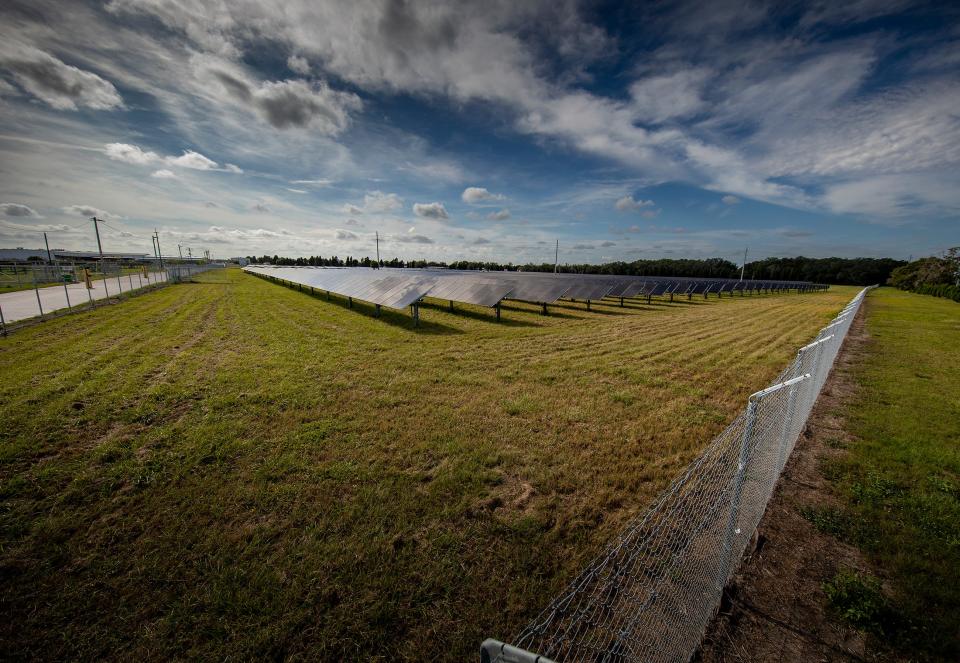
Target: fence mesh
x,y
652,593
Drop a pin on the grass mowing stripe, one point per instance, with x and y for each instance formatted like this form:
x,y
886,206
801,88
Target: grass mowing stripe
x,y
300,479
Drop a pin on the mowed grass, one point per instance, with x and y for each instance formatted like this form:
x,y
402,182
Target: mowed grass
x,y
232,469
900,480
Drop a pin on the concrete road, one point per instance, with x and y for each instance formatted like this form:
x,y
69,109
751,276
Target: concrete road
x,y
23,303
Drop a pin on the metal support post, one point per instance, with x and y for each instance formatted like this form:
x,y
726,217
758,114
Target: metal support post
x,y
36,290
498,311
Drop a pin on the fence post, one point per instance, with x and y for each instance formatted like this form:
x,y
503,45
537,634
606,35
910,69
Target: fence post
x,y
738,479
36,291
3,323
786,434
66,291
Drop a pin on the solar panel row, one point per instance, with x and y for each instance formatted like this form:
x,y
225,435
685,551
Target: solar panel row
x,y
400,288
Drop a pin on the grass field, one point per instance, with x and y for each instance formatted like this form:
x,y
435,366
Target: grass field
x,y
234,469
900,480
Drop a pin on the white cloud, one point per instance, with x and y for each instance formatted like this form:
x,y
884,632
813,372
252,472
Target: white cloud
x,y
16,209
300,191
298,65
260,207
285,104
233,168
378,201
501,215
671,96
130,154
629,204
351,209
62,86
89,211
413,239
476,194
320,182
730,200
445,171
346,235
163,174
192,160
430,210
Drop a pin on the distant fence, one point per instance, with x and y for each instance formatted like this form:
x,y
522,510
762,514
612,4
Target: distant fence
x,y
38,301
179,273
652,593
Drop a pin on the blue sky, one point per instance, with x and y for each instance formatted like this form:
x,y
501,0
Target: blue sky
x,y
482,130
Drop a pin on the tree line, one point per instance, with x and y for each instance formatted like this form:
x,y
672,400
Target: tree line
x,y
837,271
937,276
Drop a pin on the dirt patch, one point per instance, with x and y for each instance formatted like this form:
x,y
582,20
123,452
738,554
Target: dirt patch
x,y
775,608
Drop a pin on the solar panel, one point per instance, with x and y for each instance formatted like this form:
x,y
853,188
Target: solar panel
x,y
470,289
588,289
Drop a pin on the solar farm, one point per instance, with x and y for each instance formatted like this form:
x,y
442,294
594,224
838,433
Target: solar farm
x,y
402,288
230,468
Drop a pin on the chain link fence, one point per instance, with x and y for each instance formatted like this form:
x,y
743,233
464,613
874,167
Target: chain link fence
x,y
43,301
652,593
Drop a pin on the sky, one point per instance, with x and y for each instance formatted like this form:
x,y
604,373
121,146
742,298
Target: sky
x,y
482,130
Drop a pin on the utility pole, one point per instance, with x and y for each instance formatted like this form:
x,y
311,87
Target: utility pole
x,y
189,253
744,266
159,254
378,248
49,259
180,251
96,229
556,257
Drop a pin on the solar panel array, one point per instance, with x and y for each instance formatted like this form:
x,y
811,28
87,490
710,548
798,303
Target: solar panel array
x,y
400,288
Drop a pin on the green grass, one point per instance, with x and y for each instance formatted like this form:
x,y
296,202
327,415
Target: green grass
x,y
900,481
234,469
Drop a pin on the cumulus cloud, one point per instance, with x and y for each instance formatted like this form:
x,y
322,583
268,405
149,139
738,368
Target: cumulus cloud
x,y
233,168
629,204
88,211
16,209
163,174
130,154
607,244
430,210
476,194
345,235
479,241
500,215
730,200
299,65
351,209
192,160
260,207
56,83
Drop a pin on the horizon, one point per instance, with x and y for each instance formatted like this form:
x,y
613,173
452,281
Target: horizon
x,y
483,131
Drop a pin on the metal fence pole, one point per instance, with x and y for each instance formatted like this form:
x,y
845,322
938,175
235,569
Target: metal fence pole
x,y
3,322
66,291
737,491
36,290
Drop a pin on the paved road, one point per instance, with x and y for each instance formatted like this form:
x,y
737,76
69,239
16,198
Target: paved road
x,y
23,303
